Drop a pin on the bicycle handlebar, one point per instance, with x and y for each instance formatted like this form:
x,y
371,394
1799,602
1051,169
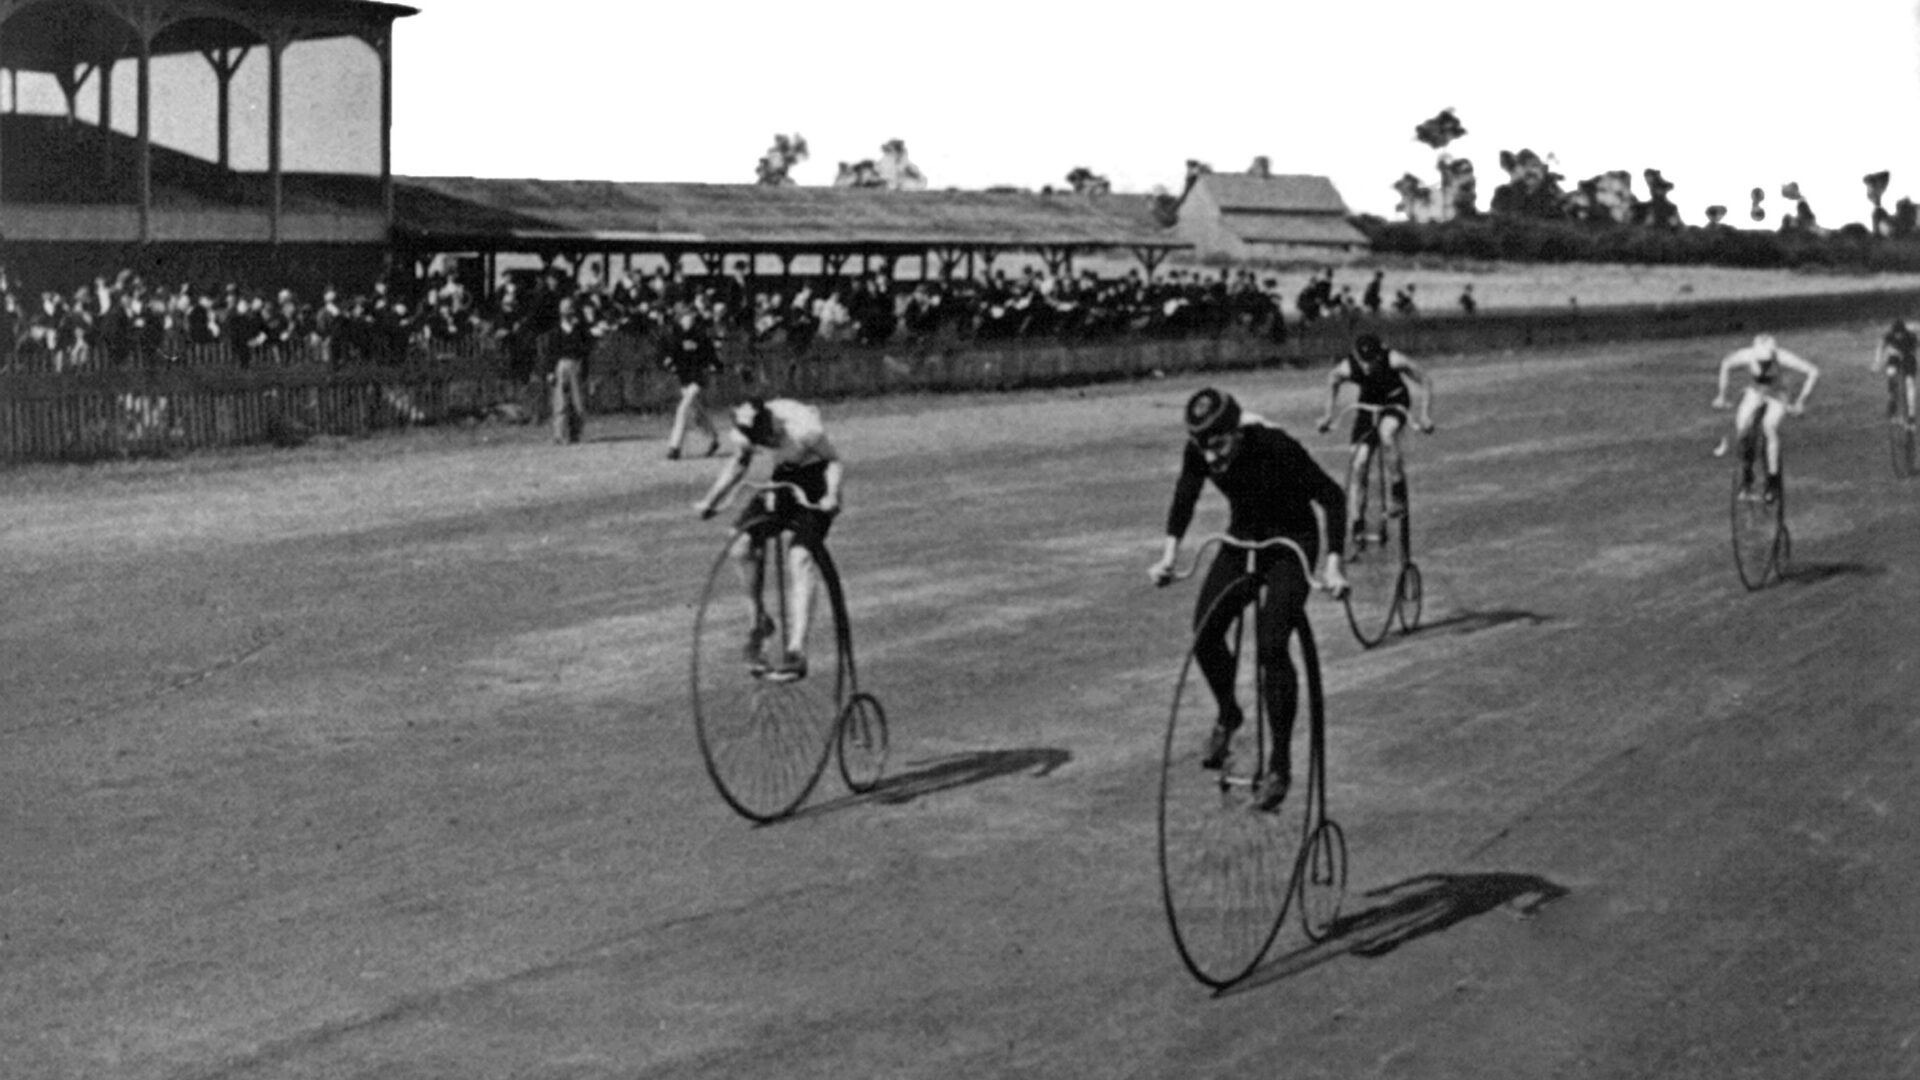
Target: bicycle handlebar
x,y
1361,406
799,495
1224,540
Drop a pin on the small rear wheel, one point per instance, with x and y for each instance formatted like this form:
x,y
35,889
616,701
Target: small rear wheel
x,y
862,743
1412,593
1322,877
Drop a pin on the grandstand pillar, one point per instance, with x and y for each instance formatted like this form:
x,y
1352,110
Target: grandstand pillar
x,y
384,46
225,62
106,95
276,48
145,110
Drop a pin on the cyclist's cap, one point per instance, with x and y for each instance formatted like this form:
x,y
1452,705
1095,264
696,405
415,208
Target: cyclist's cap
x,y
754,420
1369,346
1763,342
1211,412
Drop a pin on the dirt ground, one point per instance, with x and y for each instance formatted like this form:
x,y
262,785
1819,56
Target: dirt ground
x,y
374,760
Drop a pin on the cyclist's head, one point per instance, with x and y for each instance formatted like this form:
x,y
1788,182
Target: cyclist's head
x,y
754,421
1368,347
1764,343
1213,424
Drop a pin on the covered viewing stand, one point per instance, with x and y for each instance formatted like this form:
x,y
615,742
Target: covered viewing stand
x,y
944,232
77,41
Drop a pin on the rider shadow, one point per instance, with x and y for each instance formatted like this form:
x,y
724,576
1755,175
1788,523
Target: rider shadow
x,y
933,775
1811,573
1461,623
1404,912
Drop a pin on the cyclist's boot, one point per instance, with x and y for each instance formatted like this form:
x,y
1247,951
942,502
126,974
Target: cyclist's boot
x,y
1272,790
753,652
1220,741
791,666
1773,488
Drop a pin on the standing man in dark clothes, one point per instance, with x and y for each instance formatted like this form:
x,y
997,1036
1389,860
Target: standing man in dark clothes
x,y
693,359
569,346
1272,486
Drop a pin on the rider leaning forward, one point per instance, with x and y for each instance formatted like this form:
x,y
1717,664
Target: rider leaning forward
x,y
794,435
1763,398
1272,486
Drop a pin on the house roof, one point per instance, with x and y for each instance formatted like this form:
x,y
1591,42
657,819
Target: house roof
x,y
447,209
1270,228
1273,194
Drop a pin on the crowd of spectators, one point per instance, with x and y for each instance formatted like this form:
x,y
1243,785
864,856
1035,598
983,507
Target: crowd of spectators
x,y
130,320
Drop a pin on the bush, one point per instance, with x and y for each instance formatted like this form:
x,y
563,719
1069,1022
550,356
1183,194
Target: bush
x,y
1520,239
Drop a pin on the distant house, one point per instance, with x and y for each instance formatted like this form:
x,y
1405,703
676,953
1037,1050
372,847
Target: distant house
x,y
1268,217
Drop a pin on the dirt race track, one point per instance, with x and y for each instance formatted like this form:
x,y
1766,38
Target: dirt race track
x,y
377,761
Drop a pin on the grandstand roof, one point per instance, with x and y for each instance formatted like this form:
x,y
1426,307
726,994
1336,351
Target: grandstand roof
x,y
1268,228
56,35
1296,194
488,212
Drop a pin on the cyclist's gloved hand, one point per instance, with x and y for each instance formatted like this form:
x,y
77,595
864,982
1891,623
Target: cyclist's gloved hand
x,y
1325,425
706,510
1161,573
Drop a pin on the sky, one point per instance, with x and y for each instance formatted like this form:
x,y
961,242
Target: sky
x,y
1722,97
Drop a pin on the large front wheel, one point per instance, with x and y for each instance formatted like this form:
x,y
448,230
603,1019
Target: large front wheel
x,y
1225,866
1758,528
765,738
1376,551
1900,434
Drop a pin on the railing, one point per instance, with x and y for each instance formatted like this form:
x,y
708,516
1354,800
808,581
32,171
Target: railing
x,y
207,397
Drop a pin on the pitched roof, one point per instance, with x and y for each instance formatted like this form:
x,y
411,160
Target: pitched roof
x,y
1298,194
1269,228
449,208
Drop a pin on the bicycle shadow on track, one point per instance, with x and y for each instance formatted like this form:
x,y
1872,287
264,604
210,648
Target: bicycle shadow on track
x,y
930,776
1406,911
1812,573
1461,623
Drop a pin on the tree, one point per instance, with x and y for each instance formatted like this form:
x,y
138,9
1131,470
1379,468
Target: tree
x,y
778,162
1458,190
1876,191
1716,214
1087,182
892,171
1532,188
1261,167
1758,213
1659,211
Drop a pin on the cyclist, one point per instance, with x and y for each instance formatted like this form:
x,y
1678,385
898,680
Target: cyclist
x,y
1382,375
804,457
1765,399
1272,486
1896,356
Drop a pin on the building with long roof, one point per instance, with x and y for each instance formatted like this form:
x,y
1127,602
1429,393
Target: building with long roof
x,y
1285,218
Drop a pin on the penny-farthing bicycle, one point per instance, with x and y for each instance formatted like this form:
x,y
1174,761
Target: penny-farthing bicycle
x,y
1228,870
1762,546
1385,583
766,739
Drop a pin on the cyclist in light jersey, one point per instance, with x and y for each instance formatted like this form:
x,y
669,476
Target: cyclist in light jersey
x,y
796,438
1896,356
1382,375
1272,486
1765,398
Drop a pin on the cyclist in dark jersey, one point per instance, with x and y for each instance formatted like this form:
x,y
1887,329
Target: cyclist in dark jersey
x,y
1764,398
1381,375
1272,486
1897,354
